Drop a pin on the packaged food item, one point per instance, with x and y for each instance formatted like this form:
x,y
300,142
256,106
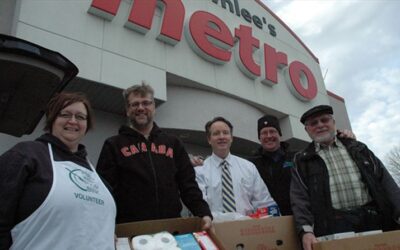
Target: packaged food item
x,y
336,236
274,210
187,242
365,233
259,213
265,212
205,241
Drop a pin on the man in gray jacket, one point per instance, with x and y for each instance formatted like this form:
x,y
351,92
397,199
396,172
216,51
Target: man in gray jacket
x,y
339,185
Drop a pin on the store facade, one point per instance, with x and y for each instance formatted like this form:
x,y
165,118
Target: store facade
x,y
205,58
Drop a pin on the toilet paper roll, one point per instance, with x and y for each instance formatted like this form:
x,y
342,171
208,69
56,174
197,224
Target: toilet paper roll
x,y
143,242
122,244
164,240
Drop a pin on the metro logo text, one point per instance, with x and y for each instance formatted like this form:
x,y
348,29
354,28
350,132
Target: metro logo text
x,y
212,39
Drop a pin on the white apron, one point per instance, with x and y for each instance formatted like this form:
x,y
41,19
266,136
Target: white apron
x,y
78,213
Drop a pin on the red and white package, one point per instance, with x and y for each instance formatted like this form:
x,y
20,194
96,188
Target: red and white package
x,y
260,213
205,241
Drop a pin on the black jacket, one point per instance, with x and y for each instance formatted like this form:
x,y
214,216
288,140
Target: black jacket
x,y
26,177
150,176
274,168
310,192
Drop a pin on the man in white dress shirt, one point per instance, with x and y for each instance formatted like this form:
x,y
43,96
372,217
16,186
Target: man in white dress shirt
x,y
249,190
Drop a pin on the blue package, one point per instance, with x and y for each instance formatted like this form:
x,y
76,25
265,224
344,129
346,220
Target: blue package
x,y
187,242
274,210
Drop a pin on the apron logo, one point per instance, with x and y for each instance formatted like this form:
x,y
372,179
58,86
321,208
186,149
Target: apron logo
x,y
83,180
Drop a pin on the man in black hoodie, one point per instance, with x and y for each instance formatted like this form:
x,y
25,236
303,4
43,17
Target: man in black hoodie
x,y
274,161
149,170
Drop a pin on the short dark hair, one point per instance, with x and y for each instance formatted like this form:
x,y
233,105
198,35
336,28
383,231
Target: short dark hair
x,y
142,90
217,119
62,100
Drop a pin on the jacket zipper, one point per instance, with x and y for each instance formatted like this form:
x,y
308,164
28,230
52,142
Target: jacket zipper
x,y
155,177
296,172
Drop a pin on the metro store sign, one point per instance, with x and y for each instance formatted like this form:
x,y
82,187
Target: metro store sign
x,y
212,39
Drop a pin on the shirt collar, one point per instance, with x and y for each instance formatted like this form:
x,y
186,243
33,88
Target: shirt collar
x,y
219,160
336,143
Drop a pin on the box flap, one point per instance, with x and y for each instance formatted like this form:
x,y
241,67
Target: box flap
x,y
174,226
387,240
267,233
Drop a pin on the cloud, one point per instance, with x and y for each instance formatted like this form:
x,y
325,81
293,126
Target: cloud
x,y
378,121
357,44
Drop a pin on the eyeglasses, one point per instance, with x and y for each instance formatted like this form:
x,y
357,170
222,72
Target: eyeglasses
x,y
79,117
136,105
323,120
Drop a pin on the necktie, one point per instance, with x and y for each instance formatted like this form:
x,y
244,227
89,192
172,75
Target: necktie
x,y
228,197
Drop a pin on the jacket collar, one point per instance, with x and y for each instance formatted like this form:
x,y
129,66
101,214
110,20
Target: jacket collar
x,y
310,151
127,130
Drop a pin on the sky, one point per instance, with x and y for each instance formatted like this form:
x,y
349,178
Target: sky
x,y
357,43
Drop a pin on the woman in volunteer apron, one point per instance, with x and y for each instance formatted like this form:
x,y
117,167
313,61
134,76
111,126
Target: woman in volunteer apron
x,y
51,196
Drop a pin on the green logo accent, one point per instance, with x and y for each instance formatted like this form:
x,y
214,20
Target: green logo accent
x,y
83,180
288,164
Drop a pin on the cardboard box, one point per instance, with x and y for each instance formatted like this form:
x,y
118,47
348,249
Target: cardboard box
x,y
271,233
382,241
174,226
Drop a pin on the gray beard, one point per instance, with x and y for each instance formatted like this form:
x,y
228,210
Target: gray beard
x,y
326,139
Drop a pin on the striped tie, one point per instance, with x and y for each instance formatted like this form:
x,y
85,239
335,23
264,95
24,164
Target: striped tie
x,y
228,197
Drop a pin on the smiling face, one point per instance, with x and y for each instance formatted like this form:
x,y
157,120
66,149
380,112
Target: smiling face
x,y
220,138
270,139
140,111
321,128
70,125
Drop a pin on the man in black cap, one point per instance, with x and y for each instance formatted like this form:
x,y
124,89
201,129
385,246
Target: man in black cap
x,y
274,161
339,185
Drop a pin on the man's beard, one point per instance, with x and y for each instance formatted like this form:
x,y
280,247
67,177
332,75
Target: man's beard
x,y
326,138
140,125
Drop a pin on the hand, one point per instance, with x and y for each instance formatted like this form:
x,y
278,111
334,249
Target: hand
x,y
207,223
308,239
345,133
196,160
